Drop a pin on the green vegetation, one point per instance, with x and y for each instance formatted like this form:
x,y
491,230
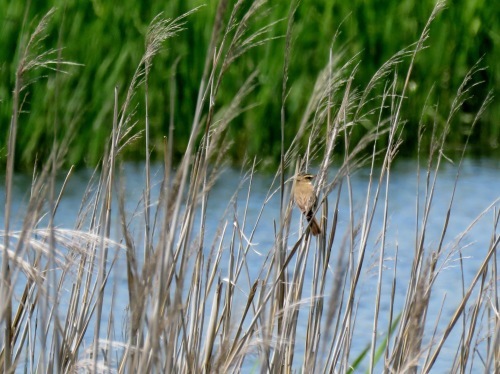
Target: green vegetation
x,y
193,306
108,41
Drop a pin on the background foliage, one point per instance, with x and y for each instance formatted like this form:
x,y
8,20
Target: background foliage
x,y
108,40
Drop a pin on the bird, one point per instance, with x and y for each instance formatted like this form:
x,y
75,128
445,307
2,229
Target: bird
x,y
306,199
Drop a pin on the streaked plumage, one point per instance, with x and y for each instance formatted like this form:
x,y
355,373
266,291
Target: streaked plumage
x,y
306,200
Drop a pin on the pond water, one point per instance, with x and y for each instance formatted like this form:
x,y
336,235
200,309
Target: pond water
x,y
477,189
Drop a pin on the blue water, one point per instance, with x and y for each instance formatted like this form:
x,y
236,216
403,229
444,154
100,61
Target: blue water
x,y
478,187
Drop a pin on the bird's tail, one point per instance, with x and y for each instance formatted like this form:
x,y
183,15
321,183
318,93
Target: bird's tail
x,y
315,229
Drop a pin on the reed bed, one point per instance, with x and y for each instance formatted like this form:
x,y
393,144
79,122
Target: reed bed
x,y
193,303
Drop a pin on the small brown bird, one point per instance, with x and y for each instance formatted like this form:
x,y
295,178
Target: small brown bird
x,y
306,200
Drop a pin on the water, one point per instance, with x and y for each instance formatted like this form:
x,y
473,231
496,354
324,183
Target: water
x,y
477,189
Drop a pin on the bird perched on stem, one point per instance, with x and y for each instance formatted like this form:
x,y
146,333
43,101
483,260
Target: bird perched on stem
x,y
306,200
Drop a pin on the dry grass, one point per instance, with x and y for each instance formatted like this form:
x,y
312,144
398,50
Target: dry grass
x,y
193,305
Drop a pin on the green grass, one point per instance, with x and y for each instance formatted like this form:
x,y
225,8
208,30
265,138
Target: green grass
x,y
185,313
109,43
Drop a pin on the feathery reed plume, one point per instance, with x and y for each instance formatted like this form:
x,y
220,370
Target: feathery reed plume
x,y
180,281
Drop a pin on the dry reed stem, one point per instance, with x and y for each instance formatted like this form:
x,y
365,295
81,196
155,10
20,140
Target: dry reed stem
x,y
200,306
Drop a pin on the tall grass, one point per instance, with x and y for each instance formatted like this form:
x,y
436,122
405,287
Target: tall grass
x,y
109,43
193,305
